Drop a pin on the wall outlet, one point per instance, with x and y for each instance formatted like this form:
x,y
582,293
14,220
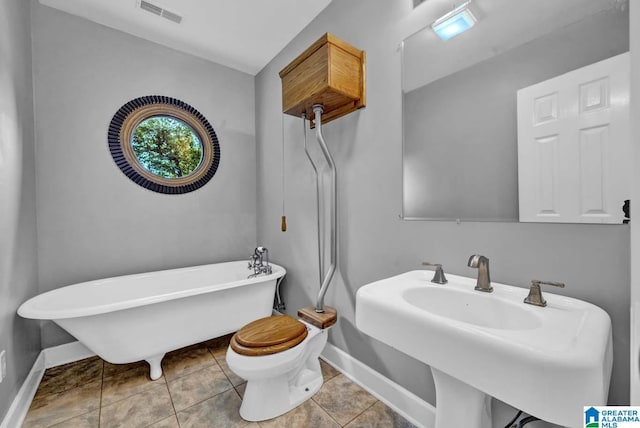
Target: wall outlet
x,y
3,365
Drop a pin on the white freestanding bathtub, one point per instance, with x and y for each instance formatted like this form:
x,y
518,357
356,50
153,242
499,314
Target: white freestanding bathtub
x,y
141,317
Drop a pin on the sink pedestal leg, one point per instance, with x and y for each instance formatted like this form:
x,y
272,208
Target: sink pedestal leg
x,y
460,405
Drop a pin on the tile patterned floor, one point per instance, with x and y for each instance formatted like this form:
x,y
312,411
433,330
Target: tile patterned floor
x,y
197,390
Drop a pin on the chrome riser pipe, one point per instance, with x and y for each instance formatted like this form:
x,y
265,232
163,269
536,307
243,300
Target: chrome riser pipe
x,y
319,227
325,277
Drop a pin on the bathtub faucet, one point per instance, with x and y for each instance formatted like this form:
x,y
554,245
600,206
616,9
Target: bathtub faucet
x,y
259,261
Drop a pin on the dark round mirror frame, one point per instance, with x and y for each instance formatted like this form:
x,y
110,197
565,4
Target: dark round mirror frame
x,y
130,115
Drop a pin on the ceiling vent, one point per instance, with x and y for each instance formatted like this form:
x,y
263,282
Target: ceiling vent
x,y
160,11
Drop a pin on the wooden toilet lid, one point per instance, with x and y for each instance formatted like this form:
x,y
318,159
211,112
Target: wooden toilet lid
x,y
268,335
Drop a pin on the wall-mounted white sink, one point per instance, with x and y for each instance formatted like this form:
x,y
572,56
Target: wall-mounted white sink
x,y
548,362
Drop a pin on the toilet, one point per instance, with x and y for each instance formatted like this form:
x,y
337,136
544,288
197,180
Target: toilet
x,y
279,358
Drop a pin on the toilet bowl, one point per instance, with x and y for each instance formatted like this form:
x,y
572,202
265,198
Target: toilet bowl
x,y
278,357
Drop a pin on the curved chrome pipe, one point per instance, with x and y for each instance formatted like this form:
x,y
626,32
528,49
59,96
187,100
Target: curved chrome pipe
x,y
318,226
279,303
317,110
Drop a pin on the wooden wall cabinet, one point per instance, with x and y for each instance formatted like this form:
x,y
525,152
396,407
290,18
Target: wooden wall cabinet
x,y
330,72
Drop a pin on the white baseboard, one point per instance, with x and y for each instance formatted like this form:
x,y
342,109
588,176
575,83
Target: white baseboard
x,y
20,405
66,353
411,407
49,357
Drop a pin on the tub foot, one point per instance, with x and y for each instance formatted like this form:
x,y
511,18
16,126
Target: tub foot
x,y
155,367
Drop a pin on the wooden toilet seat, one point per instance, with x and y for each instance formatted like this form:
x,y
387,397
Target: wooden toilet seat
x,y
268,335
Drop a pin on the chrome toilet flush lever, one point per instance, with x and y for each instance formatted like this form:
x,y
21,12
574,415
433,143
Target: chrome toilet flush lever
x,y
438,274
535,294
259,262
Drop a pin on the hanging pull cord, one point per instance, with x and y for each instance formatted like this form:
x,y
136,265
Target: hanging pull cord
x,y
283,223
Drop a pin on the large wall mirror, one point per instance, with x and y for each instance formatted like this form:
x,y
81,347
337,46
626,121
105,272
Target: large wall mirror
x,y
460,115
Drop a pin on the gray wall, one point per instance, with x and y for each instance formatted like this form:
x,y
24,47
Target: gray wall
x,y
634,17
18,271
93,221
373,242
480,151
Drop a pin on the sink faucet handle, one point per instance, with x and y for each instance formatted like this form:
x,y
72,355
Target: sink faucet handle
x,y
438,275
555,284
535,294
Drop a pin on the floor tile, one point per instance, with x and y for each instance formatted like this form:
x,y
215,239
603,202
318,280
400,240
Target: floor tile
x,y
127,383
220,411
379,416
328,371
68,376
240,388
88,420
170,422
219,343
343,399
219,352
222,361
198,386
308,414
51,409
143,409
185,361
115,369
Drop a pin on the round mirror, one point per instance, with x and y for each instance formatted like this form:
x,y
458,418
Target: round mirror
x,y
164,145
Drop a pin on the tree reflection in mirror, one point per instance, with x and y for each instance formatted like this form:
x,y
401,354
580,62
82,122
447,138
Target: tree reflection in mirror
x,y
167,146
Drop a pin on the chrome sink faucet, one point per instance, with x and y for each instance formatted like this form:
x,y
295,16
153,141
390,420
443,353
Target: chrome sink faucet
x,y
482,264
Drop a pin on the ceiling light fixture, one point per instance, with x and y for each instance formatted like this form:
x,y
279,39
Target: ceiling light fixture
x,y
455,22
